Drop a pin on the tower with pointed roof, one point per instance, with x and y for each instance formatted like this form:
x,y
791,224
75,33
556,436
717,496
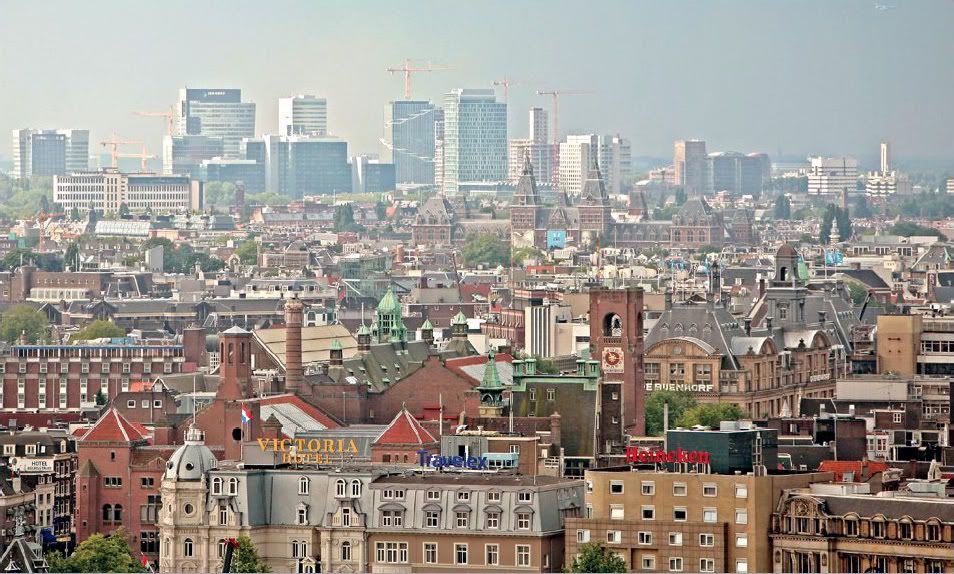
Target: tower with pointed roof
x,y
595,211
491,390
389,324
427,332
402,440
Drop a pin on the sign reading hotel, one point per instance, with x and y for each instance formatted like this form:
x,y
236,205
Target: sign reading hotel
x,y
32,465
309,451
612,360
694,387
636,455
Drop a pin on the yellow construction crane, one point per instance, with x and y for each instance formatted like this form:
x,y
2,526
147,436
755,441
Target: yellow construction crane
x,y
408,69
144,157
114,142
169,116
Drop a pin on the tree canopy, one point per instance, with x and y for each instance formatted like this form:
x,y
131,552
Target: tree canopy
x,y
248,252
486,249
837,218
679,403
594,557
23,319
783,208
98,553
182,258
99,329
909,228
246,559
710,415
857,291
344,219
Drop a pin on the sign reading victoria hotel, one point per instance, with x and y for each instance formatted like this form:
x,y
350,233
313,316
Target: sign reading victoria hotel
x,y
309,451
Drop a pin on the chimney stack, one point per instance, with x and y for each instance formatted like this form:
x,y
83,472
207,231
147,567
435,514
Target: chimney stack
x,y
748,325
294,316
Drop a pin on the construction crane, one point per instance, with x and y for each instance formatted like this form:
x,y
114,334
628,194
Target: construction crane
x,y
169,116
505,84
114,142
143,157
408,69
555,94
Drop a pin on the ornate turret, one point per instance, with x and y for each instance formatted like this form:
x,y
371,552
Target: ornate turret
x,y
459,326
491,390
390,325
336,354
427,332
364,338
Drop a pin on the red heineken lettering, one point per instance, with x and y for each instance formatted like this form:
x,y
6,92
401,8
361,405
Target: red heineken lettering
x,y
636,455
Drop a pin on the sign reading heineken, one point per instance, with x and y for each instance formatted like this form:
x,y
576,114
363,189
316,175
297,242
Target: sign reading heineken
x,y
437,461
309,451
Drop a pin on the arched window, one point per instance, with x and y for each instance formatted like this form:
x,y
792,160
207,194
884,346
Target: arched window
x,y
188,548
107,513
167,547
220,548
233,486
339,487
302,514
294,549
217,485
118,513
905,529
303,485
612,325
355,488
932,530
346,551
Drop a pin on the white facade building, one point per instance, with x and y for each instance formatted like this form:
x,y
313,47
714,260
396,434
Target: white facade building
x,y
303,115
475,138
832,175
106,190
611,153
540,151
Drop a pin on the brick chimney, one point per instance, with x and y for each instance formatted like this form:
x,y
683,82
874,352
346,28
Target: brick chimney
x,y
235,365
294,317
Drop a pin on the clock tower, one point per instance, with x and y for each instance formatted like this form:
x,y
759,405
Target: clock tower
x,y
616,339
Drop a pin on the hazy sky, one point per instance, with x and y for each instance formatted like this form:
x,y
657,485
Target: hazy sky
x,y
814,76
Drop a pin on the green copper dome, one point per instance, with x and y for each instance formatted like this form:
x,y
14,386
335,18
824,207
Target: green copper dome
x,y
336,345
427,325
459,319
363,330
389,303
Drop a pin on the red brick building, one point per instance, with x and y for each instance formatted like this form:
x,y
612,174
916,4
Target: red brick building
x,y
401,441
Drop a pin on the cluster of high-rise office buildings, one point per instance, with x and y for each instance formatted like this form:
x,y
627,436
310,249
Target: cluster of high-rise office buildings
x,y
701,173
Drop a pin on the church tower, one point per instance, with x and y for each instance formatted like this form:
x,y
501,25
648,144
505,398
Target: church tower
x,y
525,207
595,211
390,325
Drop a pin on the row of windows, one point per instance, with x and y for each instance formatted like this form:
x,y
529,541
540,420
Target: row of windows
x,y
645,538
648,488
397,553
678,564
876,528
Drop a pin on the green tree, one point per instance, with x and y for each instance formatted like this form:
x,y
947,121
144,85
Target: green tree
x,y
248,252
862,208
98,330
100,398
679,403
123,210
17,257
707,249
857,291
594,557
710,414
381,210
246,559
344,219
75,214
23,319
547,366
843,221
824,235
908,228
486,249
71,256
98,553
783,208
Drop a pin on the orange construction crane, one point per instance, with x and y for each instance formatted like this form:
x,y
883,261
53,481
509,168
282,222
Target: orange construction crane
x,y
114,142
555,134
407,69
505,84
168,115
143,156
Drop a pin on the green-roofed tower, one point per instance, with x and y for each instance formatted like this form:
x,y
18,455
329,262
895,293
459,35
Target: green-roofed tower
x,y
389,323
491,389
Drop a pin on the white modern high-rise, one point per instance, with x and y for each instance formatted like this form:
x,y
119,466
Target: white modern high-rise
x,y
218,113
475,138
538,148
303,115
49,152
885,158
611,153
409,140
689,162
832,175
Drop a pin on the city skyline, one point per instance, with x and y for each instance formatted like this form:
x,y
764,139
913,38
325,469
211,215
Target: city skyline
x,y
749,86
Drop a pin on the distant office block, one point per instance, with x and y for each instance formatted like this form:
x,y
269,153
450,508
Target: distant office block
x,y
296,166
49,152
689,161
832,175
736,173
536,147
409,140
475,138
371,175
107,190
184,154
578,153
218,113
248,171
302,115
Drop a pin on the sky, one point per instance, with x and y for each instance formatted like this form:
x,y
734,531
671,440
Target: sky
x,y
802,77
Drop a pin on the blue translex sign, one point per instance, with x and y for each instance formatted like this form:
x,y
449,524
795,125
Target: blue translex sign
x,y
437,461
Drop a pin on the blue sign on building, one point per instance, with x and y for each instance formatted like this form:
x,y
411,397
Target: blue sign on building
x,y
556,238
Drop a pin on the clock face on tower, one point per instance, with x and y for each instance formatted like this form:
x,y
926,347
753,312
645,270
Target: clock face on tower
x,y
612,360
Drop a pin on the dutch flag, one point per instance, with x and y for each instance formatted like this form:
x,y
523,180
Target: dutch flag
x,y
246,415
